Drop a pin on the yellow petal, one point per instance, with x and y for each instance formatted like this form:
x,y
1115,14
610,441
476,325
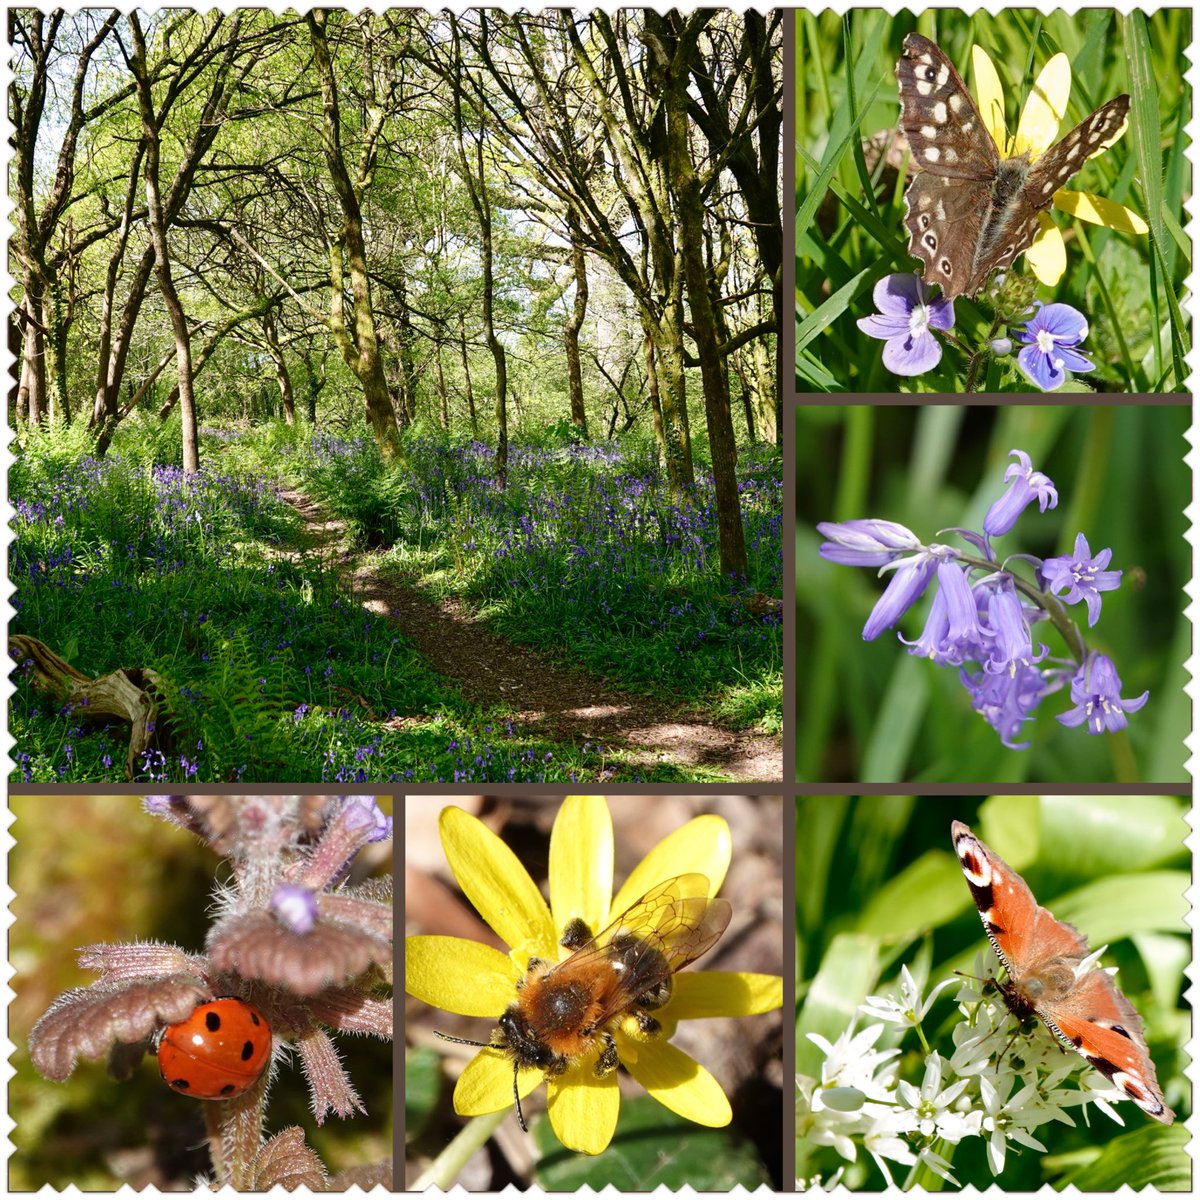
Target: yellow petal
x,y
459,975
681,1084
583,1108
581,862
1042,116
493,879
1047,256
486,1084
723,994
703,845
1100,211
990,96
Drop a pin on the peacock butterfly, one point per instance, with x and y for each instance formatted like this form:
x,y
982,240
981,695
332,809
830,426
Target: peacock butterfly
x,y
1084,1011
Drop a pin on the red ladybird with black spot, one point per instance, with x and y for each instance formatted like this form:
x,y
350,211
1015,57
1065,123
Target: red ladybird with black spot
x,y
218,1052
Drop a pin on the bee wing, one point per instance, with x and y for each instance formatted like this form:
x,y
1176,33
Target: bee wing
x,y
672,925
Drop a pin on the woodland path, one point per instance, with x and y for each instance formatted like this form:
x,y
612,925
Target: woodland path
x,y
554,701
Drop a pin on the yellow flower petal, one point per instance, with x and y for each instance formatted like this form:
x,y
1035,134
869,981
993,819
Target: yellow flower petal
x,y
990,97
486,1084
723,994
681,1084
1047,256
703,845
583,1108
492,878
459,975
1100,211
581,862
1042,116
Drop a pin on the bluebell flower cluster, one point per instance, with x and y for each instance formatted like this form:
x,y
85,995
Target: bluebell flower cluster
x,y
983,616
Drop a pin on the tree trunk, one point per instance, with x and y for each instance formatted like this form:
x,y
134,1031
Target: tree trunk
x,y
462,331
674,36
287,397
574,324
358,342
440,378
158,238
477,189
33,368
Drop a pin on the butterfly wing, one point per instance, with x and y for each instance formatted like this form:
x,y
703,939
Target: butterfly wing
x,y
945,132
955,161
1088,1012
1096,1020
1068,154
1006,905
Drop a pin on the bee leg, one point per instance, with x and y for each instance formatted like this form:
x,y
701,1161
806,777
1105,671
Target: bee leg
x,y
647,1024
517,1098
575,934
608,1061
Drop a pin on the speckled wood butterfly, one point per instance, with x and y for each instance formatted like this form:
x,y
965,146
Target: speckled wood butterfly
x,y
968,211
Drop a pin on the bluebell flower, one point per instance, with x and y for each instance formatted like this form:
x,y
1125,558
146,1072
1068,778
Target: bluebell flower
x,y
866,543
1081,577
1096,692
905,589
952,633
1050,337
1025,485
1006,701
1010,644
904,320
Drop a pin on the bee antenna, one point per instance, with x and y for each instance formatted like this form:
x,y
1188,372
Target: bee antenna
x,y
465,1041
517,1098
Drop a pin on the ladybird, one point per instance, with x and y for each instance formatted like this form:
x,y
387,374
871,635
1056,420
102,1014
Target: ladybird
x,y
218,1052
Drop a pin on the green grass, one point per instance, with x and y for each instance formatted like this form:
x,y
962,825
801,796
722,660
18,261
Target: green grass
x,y
270,670
850,207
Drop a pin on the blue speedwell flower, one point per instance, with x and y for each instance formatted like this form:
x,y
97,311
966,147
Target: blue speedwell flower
x,y
1079,576
904,320
984,614
1050,338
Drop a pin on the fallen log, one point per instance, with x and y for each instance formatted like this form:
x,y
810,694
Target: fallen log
x,y
123,695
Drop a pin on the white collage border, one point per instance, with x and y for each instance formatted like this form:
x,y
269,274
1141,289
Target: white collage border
x,y
1192,459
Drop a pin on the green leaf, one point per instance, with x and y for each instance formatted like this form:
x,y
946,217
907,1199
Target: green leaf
x,y
1154,1156
422,1084
653,1147
848,972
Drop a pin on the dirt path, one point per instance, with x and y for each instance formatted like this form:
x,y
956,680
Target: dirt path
x,y
557,702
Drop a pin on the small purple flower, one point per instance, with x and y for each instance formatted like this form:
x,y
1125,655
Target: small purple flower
x,y
1005,701
1025,486
865,543
1081,577
1010,644
903,322
952,633
294,907
908,584
1050,337
1096,691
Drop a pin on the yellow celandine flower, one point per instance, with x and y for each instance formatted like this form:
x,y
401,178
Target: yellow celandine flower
x,y
474,980
1037,130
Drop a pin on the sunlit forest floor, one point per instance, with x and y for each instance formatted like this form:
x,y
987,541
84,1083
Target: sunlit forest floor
x,y
314,615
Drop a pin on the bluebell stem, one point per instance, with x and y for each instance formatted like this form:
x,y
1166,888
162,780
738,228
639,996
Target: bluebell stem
x,y
984,613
